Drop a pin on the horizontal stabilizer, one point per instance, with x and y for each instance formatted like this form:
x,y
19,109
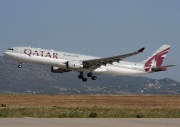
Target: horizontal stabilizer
x,y
162,68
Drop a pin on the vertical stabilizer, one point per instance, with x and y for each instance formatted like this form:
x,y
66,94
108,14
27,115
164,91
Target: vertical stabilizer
x,y
157,58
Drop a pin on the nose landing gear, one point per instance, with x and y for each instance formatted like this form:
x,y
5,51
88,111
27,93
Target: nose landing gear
x,y
20,66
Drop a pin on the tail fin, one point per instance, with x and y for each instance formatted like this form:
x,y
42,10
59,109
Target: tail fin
x,y
156,59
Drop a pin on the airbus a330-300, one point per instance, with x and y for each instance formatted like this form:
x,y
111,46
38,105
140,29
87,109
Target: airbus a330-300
x,y
61,62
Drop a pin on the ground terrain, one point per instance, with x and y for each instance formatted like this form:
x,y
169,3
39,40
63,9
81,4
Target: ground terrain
x,y
161,101
83,106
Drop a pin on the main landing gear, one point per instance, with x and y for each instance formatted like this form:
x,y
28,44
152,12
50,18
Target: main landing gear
x,y
81,76
20,64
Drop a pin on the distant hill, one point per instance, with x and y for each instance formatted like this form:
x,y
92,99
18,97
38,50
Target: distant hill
x,y
39,79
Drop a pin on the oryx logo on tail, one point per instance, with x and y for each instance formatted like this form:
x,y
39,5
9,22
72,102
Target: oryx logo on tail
x,y
157,58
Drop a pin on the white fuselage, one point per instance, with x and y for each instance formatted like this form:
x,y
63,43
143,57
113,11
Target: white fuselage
x,y
58,59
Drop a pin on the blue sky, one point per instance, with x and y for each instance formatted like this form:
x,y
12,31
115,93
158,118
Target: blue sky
x,y
94,27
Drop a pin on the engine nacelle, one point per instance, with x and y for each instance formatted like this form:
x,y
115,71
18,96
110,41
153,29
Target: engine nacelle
x,y
74,65
58,70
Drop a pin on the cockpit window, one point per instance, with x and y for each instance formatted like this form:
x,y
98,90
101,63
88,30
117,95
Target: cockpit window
x,y
10,49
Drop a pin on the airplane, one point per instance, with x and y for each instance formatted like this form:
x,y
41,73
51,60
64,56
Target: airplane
x,y
61,62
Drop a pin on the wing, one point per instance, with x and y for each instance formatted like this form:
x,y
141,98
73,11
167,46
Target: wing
x,y
95,63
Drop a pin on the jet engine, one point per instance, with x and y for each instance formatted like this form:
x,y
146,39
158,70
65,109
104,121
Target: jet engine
x,y
58,70
74,65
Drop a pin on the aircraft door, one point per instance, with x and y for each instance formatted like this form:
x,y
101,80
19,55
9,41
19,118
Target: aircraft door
x,y
20,50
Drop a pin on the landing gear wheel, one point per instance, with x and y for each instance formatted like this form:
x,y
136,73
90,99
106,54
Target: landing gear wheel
x,y
19,66
80,76
94,78
84,79
89,74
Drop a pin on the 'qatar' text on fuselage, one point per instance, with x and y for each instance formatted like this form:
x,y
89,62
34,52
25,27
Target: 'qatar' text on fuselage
x,y
29,52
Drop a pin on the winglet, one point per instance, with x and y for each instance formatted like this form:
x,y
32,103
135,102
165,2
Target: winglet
x,y
141,50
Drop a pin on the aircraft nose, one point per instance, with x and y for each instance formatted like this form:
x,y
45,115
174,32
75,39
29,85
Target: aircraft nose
x,y
5,52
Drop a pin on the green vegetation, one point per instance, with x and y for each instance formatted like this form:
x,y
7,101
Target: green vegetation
x,y
94,106
102,112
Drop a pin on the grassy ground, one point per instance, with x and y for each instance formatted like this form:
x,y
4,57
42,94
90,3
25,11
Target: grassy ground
x,y
83,106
